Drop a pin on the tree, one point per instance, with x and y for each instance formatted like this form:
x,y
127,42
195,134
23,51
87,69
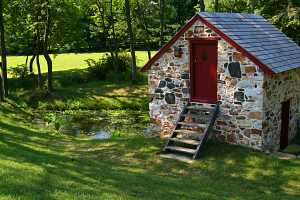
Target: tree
x,y
284,14
230,6
253,5
131,40
39,27
184,10
202,5
106,14
162,21
45,46
216,5
4,90
39,72
1,89
114,39
142,12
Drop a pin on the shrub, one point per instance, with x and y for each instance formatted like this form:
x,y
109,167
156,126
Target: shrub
x,y
21,77
104,67
20,71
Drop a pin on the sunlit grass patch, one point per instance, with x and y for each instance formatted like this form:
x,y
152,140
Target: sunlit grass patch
x,y
68,61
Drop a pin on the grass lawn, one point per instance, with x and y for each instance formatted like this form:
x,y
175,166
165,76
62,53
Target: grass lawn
x,y
40,163
69,61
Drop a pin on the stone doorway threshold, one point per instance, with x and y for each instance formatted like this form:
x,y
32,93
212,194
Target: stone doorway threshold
x,y
289,153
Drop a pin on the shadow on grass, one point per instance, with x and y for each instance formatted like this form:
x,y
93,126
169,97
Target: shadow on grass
x,y
74,90
37,165
41,166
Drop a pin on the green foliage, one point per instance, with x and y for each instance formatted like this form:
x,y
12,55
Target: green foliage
x,y
285,15
26,20
103,69
20,71
100,69
228,6
53,118
87,25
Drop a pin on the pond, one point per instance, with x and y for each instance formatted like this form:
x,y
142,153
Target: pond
x,y
92,124
85,124
101,135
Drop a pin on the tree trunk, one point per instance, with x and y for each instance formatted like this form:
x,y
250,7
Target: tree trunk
x,y
45,50
49,74
202,5
39,71
142,18
216,5
31,64
3,52
115,45
149,54
1,89
131,41
26,62
162,21
105,30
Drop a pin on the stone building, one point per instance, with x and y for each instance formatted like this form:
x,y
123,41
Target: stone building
x,y
239,60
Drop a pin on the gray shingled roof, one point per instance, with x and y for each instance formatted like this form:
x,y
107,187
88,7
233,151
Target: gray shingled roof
x,y
259,37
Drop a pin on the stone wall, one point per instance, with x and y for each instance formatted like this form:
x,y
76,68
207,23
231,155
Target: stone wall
x,y
277,89
241,94
240,90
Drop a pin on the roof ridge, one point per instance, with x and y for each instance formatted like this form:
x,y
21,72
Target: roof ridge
x,y
222,14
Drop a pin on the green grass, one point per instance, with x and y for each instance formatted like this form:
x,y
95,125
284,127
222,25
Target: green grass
x,y
94,95
36,164
69,61
40,163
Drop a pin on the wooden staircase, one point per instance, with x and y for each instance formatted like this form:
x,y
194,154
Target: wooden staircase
x,y
192,130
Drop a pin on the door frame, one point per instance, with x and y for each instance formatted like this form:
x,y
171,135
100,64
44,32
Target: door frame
x,y
193,41
284,134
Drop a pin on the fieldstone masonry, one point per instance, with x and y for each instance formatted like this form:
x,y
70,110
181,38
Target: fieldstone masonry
x,y
245,117
277,89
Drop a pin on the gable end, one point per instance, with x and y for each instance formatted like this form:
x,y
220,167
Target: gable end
x,y
197,17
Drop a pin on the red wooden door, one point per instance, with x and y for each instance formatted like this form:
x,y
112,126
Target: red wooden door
x,y
203,68
285,119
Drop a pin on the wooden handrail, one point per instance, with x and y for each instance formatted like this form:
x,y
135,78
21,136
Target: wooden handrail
x,y
207,131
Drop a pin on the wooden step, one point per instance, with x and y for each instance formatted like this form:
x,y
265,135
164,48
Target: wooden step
x,y
187,131
193,124
181,149
178,157
185,141
182,137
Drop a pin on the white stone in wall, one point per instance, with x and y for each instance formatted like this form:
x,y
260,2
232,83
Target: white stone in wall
x,y
234,113
257,124
244,84
256,93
